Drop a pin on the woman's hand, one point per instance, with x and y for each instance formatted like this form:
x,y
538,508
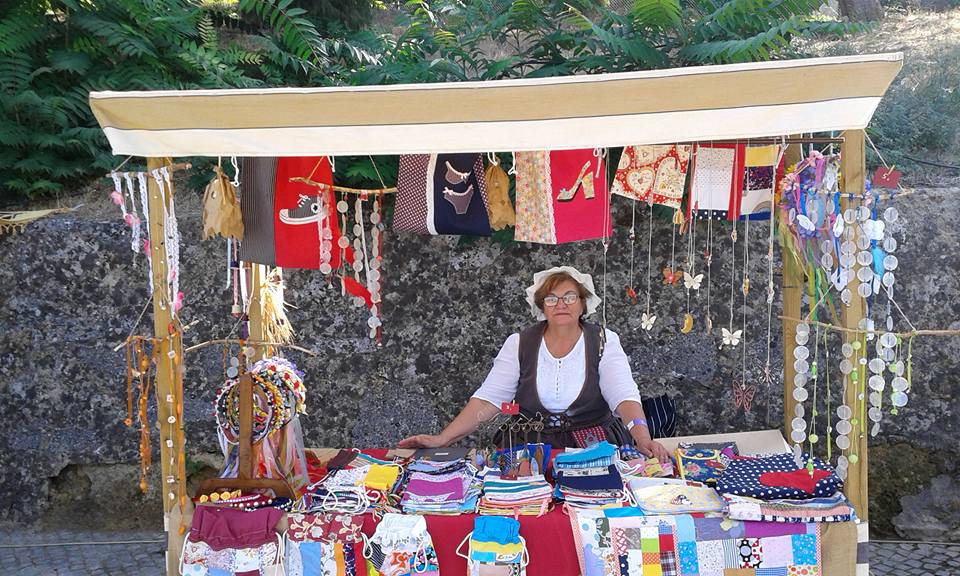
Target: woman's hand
x,y
422,441
654,449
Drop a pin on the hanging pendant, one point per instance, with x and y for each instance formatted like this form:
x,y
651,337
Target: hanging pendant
x,y
687,323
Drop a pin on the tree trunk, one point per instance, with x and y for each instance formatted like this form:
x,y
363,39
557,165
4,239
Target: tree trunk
x,y
861,10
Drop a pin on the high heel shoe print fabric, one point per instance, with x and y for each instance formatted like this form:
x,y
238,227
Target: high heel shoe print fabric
x,y
562,196
442,194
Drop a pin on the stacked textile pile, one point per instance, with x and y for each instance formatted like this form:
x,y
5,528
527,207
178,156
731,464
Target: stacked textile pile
x,y
774,488
634,464
589,477
440,487
526,495
354,483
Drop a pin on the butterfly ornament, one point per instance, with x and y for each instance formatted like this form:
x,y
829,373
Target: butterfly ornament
x,y
647,320
731,338
743,396
691,282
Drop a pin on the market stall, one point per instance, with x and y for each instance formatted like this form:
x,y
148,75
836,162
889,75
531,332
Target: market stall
x,y
705,116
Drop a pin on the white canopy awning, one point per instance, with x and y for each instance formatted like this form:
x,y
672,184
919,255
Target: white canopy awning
x,y
705,103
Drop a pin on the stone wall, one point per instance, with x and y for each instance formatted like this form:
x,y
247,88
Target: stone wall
x,y
72,290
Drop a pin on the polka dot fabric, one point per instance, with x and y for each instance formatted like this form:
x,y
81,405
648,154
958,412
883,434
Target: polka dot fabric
x,y
410,211
742,478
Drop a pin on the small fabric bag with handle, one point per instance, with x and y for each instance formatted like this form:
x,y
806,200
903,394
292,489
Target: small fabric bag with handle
x,y
495,548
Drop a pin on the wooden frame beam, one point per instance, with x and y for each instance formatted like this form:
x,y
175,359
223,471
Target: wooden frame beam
x,y
853,168
166,330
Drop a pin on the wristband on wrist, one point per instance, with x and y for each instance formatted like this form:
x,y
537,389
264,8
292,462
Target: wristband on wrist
x,y
636,422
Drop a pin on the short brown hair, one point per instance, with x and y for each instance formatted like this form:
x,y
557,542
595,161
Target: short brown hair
x,y
551,282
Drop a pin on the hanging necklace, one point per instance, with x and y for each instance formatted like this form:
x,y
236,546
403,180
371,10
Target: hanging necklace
x,y
647,319
631,292
708,258
691,281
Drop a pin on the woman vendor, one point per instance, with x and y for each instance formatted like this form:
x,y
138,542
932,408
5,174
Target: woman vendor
x,y
563,370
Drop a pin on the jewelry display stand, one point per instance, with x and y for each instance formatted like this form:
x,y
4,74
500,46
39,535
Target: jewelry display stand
x,y
246,475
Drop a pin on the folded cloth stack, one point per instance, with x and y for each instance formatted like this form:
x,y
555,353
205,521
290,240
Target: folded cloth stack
x,y
589,478
526,496
778,477
834,508
346,489
440,488
633,463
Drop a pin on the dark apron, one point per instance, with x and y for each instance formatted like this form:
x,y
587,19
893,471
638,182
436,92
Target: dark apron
x,y
589,418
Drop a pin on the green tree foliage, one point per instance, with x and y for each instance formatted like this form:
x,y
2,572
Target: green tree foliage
x,y
451,40
53,53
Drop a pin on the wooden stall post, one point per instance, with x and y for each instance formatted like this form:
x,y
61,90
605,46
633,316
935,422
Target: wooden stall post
x,y
165,319
258,274
792,282
853,159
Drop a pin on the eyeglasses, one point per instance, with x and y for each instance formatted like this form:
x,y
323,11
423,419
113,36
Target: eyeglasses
x,y
569,299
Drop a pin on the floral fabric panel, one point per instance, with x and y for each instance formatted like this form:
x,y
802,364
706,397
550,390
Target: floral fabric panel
x,y
655,173
534,202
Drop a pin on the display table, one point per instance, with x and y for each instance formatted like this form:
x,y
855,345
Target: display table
x,y
553,549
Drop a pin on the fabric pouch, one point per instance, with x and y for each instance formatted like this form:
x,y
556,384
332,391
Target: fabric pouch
x,y
495,547
221,209
562,196
700,464
234,542
498,193
401,545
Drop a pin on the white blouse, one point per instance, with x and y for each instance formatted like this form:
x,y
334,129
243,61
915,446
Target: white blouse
x,y
559,380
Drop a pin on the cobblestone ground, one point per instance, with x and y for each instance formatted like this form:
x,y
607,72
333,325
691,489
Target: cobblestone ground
x,y
69,553
72,553
896,559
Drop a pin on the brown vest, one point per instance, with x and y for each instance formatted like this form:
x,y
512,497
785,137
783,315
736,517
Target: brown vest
x,y
588,410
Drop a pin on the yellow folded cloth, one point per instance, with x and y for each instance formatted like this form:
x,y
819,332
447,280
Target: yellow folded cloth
x,y
381,477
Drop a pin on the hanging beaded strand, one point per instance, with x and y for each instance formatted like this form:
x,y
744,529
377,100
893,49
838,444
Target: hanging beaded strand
x,y
131,218
145,207
375,274
343,242
375,268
